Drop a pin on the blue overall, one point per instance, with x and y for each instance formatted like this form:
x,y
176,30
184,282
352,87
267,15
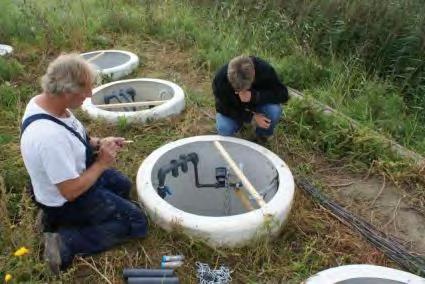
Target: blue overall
x,y
98,219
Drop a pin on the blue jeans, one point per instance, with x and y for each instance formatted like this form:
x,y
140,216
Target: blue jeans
x,y
227,126
98,219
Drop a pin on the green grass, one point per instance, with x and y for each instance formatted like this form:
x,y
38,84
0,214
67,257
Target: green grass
x,y
9,69
219,33
206,35
387,36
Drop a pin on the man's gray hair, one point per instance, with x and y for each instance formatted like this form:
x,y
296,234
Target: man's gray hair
x,y
68,73
241,72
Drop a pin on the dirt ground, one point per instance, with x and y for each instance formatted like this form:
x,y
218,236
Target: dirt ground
x,y
381,203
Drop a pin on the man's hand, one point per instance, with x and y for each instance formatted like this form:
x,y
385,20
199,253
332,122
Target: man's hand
x,y
108,152
71,189
119,141
108,148
261,121
95,142
245,96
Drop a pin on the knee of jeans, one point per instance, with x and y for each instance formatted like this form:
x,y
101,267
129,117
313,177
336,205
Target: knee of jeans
x,y
274,112
226,130
138,221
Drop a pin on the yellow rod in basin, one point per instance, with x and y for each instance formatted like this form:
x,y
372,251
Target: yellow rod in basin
x,y
247,184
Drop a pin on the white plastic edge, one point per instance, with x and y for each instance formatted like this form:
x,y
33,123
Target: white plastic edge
x,y
228,231
118,71
5,49
173,106
347,272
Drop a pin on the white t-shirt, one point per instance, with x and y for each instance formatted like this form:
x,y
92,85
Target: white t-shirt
x,y
52,154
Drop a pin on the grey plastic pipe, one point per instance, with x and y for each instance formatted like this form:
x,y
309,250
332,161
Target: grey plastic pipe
x,y
153,280
140,272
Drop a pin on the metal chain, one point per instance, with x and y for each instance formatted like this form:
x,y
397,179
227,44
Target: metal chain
x,y
206,275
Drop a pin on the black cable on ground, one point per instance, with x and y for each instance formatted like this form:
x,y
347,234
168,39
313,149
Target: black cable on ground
x,y
389,245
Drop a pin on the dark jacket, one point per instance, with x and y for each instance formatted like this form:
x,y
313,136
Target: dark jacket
x,y
266,88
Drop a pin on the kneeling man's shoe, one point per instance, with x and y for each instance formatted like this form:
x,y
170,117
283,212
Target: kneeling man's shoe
x,y
52,256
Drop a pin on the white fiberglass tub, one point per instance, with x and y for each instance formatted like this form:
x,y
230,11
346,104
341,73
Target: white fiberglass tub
x,y
5,49
143,90
114,64
216,215
364,274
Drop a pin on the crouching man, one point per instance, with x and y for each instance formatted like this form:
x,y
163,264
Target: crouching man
x,y
246,90
85,202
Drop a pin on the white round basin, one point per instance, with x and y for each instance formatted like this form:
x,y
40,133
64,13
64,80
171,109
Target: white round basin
x,y
5,49
216,215
114,64
364,274
169,95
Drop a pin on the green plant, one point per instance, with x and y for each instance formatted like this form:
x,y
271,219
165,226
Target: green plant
x,y
301,72
387,36
9,69
122,124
